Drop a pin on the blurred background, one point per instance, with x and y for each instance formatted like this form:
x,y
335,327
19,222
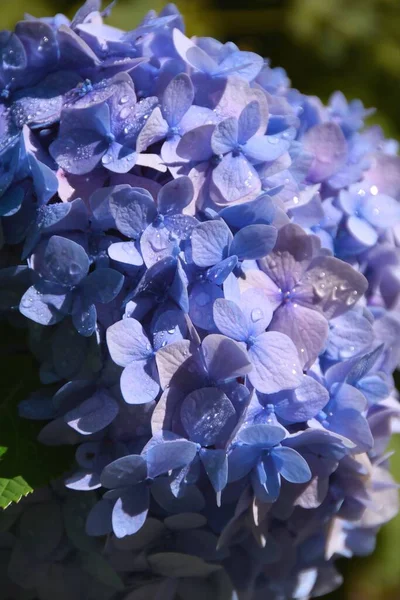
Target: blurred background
x,y
325,45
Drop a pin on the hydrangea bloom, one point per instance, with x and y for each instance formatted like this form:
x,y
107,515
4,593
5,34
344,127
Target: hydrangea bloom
x,y
207,263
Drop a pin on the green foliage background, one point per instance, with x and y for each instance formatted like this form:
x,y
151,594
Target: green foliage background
x,y
352,45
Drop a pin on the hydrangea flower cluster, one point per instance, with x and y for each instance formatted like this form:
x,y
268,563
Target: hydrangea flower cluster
x,y
208,265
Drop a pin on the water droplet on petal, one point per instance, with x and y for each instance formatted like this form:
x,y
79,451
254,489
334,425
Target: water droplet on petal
x,y
256,315
374,190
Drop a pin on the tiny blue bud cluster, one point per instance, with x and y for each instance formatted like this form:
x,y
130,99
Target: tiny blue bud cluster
x,y
208,264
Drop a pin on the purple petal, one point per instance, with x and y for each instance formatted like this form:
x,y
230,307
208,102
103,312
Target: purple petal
x,y
335,285
265,148
307,329
276,364
195,145
329,147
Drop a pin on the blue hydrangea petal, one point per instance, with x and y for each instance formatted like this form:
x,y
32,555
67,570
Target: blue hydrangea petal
x,y
195,145
210,243
230,320
102,285
201,300
133,209
362,231
156,244
139,383
94,414
215,463
265,148
301,404
125,471
155,129
130,511
224,358
258,211
62,261
261,436
119,158
84,318
291,465
225,136
276,364
236,179
380,210
241,460
219,273
42,305
208,416
253,242
169,327
167,456
177,99
125,252
256,309
249,122
247,65
307,328
98,521
175,195
127,342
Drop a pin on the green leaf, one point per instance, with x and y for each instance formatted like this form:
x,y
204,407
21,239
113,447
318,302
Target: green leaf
x,y
12,490
25,464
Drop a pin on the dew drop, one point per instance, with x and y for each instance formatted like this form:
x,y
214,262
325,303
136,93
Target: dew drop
x,y
295,199
124,99
273,140
124,112
74,269
374,190
171,330
256,315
